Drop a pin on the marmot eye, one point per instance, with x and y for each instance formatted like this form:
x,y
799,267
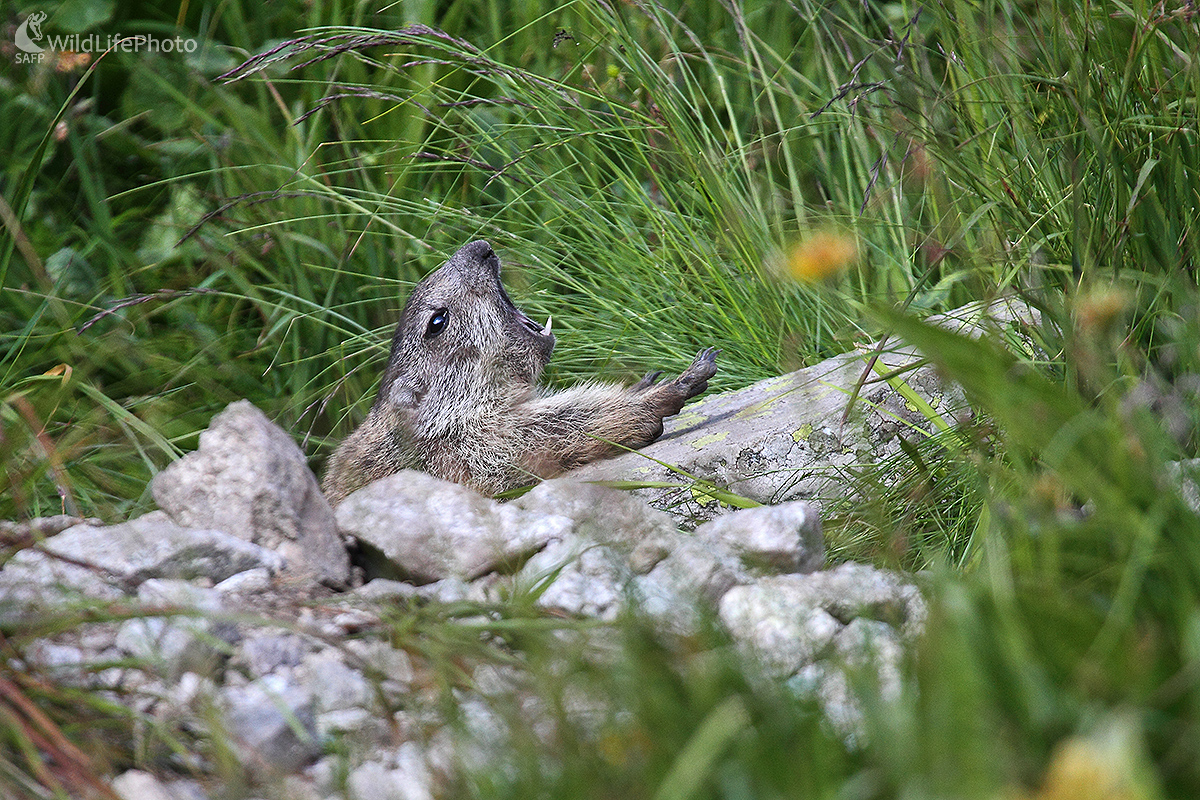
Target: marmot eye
x,y
437,323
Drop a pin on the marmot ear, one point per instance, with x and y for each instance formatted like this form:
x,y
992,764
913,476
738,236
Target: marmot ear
x,y
404,394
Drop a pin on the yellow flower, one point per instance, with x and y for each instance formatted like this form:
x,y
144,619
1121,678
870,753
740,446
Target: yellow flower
x,y
1098,309
1107,764
821,255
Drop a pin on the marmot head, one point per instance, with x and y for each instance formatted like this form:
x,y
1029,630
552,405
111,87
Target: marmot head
x,y
462,341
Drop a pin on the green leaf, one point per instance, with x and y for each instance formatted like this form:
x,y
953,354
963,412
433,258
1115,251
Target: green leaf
x,y
77,16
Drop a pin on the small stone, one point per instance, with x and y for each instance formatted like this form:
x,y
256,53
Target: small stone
x,y
447,590
864,644
267,652
868,642
63,659
1185,473
481,742
412,773
42,527
353,621
273,721
138,785
784,634
782,538
598,513
383,659
179,594
792,619
327,775
298,787
180,643
342,721
583,578
191,689
647,553
373,781
334,686
170,646
694,576
700,570
384,589
252,581
854,590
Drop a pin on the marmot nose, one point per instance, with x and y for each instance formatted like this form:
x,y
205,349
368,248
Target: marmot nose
x,y
480,250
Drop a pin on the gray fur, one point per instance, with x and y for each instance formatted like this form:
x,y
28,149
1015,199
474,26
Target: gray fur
x,y
460,401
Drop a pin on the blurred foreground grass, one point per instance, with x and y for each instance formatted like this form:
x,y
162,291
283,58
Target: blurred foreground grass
x,y
173,241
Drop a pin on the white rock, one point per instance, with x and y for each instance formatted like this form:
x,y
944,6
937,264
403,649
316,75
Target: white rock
x,y
384,589
790,437
782,538
249,478
347,720
863,645
121,557
272,720
374,781
252,581
138,785
266,651
380,657
181,643
412,773
334,686
784,635
854,590
577,576
790,620
430,529
598,513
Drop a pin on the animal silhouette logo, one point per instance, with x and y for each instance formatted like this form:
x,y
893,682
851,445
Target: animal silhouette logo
x,y
29,31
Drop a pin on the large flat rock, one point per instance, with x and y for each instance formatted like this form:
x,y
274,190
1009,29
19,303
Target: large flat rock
x,y
796,436
107,563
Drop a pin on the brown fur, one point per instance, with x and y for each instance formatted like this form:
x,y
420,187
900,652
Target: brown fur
x,y
459,399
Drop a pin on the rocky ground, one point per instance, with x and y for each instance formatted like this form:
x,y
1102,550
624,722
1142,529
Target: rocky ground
x,y
251,612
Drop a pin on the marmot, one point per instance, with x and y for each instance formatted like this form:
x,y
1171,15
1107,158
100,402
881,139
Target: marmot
x,y
459,397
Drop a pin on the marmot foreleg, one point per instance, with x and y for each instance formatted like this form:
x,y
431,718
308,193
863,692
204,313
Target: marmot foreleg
x,y
593,421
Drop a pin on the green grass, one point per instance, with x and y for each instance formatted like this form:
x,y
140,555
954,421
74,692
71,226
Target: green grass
x,y
173,241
